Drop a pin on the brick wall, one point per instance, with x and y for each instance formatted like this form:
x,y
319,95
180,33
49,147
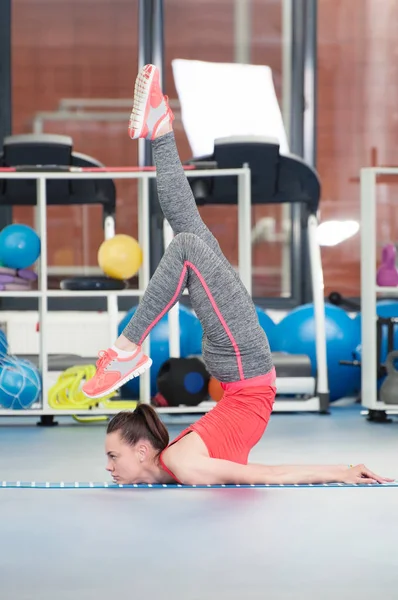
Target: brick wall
x,y
87,48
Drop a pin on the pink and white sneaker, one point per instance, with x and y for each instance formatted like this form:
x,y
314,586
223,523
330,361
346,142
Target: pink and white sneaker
x,y
114,371
151,109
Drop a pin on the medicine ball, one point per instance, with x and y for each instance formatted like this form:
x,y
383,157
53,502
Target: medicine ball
x,y
183,381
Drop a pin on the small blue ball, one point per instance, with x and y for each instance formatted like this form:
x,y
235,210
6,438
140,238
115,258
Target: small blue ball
x,y
19,246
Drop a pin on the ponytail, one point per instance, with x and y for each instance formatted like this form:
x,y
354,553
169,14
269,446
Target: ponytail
x,y
141,424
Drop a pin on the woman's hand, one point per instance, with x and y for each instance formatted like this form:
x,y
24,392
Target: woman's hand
x,y
361,474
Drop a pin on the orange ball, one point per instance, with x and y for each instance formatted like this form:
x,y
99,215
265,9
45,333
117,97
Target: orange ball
x,y
215,390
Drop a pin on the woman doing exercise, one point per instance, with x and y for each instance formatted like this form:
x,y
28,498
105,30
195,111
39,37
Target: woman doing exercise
x,y
215,449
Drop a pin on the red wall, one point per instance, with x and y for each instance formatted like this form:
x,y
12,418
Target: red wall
x,y
87,48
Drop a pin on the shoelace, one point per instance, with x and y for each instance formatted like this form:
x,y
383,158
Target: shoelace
x,y
103,359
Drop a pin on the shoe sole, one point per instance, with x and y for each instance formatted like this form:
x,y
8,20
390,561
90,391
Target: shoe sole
x,y
143,82
136,373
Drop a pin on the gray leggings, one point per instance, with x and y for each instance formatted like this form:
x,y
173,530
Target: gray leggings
x,y
235,346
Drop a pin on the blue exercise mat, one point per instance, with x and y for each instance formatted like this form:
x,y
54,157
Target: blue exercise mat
x,y
104,485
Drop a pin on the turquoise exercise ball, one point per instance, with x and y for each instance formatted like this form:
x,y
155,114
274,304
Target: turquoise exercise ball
x,y
20,383
267,324
19,246
190,343
295,334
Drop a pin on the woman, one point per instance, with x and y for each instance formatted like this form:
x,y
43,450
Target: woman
x,y
215,449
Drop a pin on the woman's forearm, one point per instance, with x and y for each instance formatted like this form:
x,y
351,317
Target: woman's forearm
x,y
295,474
214,471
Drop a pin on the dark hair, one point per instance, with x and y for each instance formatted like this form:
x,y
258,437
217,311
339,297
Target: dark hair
x,y
141,424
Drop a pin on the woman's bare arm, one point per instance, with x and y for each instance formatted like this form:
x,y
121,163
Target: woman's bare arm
x,y
211,471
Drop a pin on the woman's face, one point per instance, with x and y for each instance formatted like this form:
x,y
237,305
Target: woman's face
x,y
127,464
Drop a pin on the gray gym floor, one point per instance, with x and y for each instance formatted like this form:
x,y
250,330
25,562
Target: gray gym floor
x,y
199,544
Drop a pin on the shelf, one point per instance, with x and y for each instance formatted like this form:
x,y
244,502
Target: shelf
x,y
281,405
143,205
71,293
27,294
386,290
97,412
91,293
75,294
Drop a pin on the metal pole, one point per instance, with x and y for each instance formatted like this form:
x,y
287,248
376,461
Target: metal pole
x,y
41,194
174,312
309,118
244,228
151,50
144,275
158,39
322,388
157,58
297,102
287,35
368,292
286,209
296,139
5,89
144,57
310,83
242,31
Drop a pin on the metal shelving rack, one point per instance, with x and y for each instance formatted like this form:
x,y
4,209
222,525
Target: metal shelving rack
x,y
143,176
370,290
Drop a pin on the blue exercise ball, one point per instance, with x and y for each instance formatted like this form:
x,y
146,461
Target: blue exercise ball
x,y
190,343
295,334
267,324
19,246
20,383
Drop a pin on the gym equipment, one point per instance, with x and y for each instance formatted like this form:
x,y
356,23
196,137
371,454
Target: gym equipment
x,y
92,283
183,381
192,80
215,390
385,309
370,178
292,366
387,273
120,257
67,392
72,176
19,246
386,331
295,333
389,388
190,343
276,178
17,279
20,383
8,275
386,335
54,152
159,401
338,300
